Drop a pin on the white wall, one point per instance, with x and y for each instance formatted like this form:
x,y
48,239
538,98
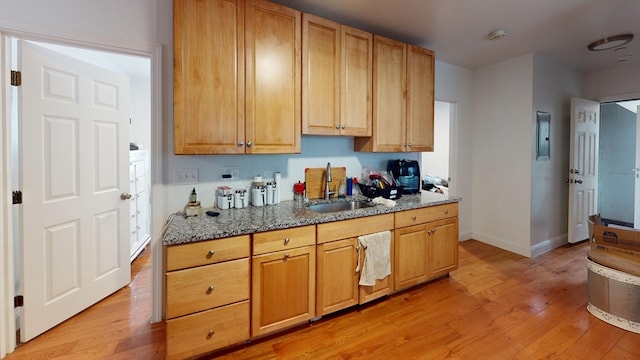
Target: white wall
x,y
501,168
455,84
619,83
140,112
553,86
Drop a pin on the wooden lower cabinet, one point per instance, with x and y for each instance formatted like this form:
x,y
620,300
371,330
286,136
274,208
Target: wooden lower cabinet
x,y
382,287
283,278
283,289
207,295
429,248
444,247
226,291
337,279
206,331
411,263
337,253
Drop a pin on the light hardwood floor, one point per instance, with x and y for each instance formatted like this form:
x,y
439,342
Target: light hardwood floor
x,y
497,305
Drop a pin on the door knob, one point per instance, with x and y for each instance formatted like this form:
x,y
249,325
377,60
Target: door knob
x,y
125,196
578,181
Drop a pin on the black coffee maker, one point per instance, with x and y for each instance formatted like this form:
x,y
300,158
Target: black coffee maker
x,y
407,174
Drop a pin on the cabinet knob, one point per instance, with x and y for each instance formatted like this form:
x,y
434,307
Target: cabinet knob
x,y
413,218
286,241
343,127
409,144
286,255
210,254
210,334
446,212
240,143
337,126
210,289
249,143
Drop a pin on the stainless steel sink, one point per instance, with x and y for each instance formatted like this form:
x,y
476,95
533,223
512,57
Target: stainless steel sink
x,y
341,206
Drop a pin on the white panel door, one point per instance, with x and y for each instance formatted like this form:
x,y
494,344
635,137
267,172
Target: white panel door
x,y
74,152
636,174
583,166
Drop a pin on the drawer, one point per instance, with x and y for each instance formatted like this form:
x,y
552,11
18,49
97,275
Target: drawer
x,y
354,227
207,252
285,239
427,214
207,331
206,287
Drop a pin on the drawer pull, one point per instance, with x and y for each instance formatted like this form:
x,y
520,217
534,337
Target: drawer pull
x,y
286,241
210,334
446,212
210,254
414,218
210,289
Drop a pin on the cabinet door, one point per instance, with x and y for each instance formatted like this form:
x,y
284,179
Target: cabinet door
x,y
320,76
283,289
337,279
411,262
208,77
420,98
382,287
389,98
443,247
356,82
273,87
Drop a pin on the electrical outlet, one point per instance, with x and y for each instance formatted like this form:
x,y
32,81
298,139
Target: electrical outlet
x,y
234,171
185,176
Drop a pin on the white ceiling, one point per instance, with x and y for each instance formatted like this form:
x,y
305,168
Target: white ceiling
x,y
457,29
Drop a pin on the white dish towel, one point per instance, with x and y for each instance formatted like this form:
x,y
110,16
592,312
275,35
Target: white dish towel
x,y
377,257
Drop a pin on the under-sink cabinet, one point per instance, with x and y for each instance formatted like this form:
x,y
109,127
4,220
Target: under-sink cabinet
x,y
426,244
283,279
337,260
207,295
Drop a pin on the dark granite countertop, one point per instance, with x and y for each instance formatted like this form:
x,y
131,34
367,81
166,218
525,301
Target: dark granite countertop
x,y
232,222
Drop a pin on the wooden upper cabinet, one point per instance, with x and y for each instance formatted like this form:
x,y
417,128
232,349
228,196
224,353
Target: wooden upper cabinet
x,y
402,98
217,108
420,99
273,78
337,78
356,82
208,76
389,97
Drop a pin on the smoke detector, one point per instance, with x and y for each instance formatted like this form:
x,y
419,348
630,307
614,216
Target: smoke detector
x,y
497,34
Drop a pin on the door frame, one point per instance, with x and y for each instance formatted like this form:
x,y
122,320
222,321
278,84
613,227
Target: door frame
x,y
150,50
453,148
622,98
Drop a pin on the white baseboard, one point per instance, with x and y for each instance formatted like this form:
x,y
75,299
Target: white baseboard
x,y
503,244
548,245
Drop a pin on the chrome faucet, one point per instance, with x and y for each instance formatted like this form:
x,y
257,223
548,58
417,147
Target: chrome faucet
x,y
328,179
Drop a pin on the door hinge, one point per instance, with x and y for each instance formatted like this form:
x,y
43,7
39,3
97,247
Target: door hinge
x,y
17,197
18,301
16,78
